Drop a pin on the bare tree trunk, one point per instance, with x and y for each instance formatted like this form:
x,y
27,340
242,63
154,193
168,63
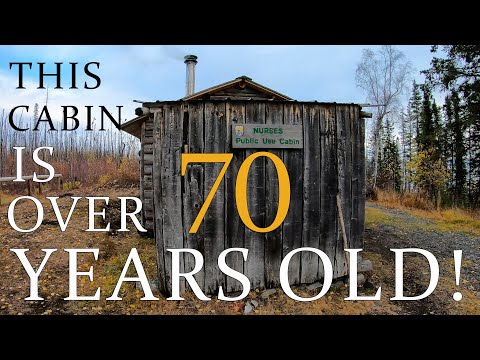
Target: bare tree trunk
x,y
383,75
376,149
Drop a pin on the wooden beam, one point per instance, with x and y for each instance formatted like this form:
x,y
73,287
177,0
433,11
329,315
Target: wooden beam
x,y
370,105
364,114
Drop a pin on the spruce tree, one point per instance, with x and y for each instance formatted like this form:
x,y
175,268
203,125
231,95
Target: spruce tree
x,y
390,177
459,150
409,132
406,136
449,145
426,130
458,72
438,132
415,104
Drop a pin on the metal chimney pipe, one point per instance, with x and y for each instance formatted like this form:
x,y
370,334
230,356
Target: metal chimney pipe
x,y
191,61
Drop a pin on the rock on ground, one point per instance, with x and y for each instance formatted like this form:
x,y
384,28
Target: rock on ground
x,y
248,308
267,293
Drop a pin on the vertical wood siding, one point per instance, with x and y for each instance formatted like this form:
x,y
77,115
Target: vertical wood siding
x,y
331,162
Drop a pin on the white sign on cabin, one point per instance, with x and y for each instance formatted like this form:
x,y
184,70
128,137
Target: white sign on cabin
x,y
267,136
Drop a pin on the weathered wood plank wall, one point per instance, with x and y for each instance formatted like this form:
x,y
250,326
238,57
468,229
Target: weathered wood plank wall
x,y
234,228
254,241
311,192
331,162
293,223
273,239
146,173
214,221
158,134
193,194
328,183
169,191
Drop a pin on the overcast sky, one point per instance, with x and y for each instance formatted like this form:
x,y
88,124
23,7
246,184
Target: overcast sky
x,y
149,73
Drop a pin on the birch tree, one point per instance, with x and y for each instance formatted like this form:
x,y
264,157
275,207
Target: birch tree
x,y
384,76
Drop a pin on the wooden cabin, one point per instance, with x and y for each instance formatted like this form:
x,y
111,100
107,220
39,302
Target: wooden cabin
x,y
330,160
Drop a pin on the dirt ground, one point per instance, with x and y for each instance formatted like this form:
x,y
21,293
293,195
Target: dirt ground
x,y
385,229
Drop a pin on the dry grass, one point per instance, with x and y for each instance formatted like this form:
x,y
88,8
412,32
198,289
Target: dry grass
x,y
373,217
6,198
450,220
85,171
403,201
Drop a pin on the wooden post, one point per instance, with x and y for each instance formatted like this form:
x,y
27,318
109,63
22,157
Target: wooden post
x,y
344,235
29,187
59,184
39,188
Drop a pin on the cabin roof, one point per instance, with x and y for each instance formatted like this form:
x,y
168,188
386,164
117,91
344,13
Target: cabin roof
x,y
134,126
234,89
242,88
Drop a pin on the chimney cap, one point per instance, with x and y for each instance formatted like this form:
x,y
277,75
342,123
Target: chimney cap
x,y
189,58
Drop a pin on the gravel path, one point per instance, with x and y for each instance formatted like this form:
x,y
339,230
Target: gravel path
x,y
406,230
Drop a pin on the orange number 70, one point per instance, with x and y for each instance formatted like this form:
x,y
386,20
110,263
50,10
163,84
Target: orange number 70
x,y
241,187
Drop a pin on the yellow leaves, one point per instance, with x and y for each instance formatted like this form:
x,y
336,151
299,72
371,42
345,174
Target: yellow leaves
x,y
426,171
